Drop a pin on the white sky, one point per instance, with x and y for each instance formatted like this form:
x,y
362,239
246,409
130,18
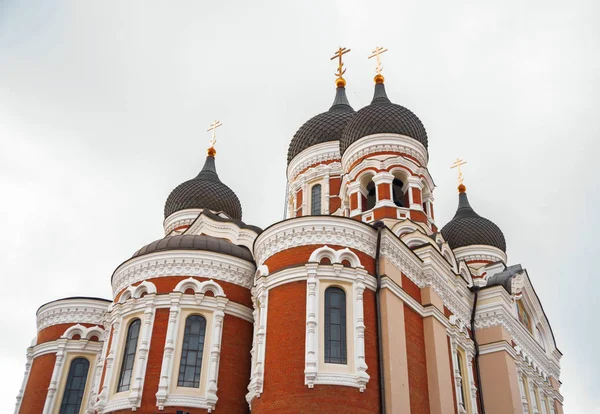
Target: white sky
x,y
104,107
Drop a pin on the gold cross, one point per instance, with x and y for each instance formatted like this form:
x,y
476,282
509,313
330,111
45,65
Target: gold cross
x,y
376,54
213,128
340,52
456,164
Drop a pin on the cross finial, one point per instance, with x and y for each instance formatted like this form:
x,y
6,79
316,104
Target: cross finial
x,y
213,140
377,55
340,81
457,164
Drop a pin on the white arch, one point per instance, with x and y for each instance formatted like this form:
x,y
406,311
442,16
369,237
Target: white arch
x,y
335,256
83,332
463,269
262,270
135,292
200,287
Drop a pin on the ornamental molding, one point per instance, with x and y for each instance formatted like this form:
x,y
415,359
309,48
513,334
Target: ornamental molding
x,y
479,252
498,311
260,300
21,392
83,332
197,263
315,370
329,272
73,310
180,218
395,143
229,230
315,154
314,230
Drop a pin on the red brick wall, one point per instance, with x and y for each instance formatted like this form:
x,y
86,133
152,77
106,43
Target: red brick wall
x,y
54,332
284,389
385,212
417,196
234,292
354,201
418,216
417,363
36,389
452,374
383,192
155,355
300,255
411,288
299,203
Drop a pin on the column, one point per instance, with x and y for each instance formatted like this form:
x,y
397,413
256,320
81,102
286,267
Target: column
x,y
414,193
310,369
167,362
56,373
384,191
117,321
355,198
135,396
215,350
325,195
361,365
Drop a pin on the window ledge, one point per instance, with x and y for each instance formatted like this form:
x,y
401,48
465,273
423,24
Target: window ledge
x,y
356,380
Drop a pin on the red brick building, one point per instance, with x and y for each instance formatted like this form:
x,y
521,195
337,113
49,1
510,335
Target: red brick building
x,y
355,303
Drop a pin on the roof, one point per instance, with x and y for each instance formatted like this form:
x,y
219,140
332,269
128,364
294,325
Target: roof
x,y
504,278
327,126
205,191
195,242
382,116
73,298
468,228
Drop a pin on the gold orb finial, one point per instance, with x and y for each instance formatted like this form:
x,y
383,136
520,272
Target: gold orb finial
x,y
340,82
211,152
379,78
462,188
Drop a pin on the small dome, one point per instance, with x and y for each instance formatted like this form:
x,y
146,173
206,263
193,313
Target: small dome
x,y
195,242
468,228
382,116
327,126
204,191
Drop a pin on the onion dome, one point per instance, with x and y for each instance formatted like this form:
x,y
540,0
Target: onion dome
x,y
382,116
204,191
468,228
196,242
327,126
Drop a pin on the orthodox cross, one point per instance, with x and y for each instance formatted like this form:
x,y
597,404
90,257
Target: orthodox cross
x,y
376,54
213,128
456,164
340,52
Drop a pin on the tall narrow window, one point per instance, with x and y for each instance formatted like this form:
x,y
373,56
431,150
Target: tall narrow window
x,y
397,192
461,394
315,200
335,326
133,333
75,386
371,196
191,352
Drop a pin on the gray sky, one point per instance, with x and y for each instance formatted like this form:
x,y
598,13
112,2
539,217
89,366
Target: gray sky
x,y
104,107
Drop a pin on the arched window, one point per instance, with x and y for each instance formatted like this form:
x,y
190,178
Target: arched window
x,y
335,326
461,394
133,333
191,352
371,197
75,386
315,200
397,192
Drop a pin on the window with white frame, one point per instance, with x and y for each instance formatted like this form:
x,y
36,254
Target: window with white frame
x,y
192,349
75,386
128,361
315,200
335,351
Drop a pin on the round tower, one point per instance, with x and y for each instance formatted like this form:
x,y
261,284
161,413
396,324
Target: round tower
x,y
181,319
384,160
64,360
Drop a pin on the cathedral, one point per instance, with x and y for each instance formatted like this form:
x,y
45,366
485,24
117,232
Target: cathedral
x,y
356,302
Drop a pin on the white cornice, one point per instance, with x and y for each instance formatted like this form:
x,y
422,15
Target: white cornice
x,y
479,252
180,218
312,155
317,230
72,310
199,263
384,143
229,230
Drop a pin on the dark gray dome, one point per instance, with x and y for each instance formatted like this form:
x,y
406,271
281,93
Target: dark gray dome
x,y
327,126
468,228
204,191
382,116
194,242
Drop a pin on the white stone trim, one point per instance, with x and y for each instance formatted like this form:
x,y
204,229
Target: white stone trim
x,y
480,252
180,218
208,395
28,364
197,263
303,231
83,332
314,373
199,287
72,310
315,154
243,236
260,300
385,142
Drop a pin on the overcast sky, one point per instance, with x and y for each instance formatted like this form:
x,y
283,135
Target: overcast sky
x,y
104,108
